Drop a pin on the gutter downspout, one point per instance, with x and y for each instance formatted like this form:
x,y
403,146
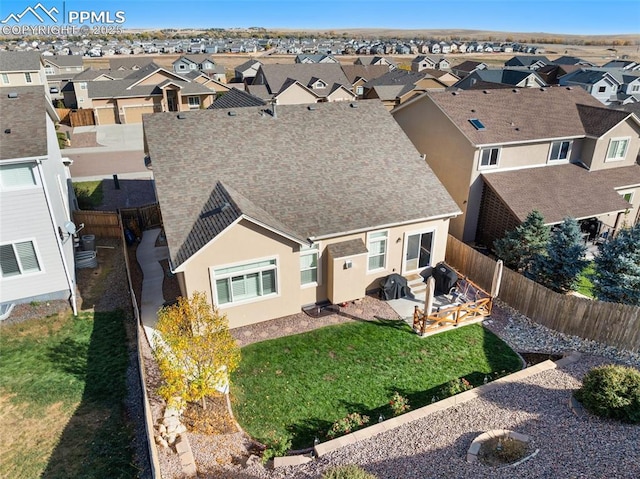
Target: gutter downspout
x,y
65,266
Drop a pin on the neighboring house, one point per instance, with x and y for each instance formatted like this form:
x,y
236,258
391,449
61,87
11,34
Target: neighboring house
x,y
376,60
532,62
302,83
36,250
467,67
126,64
358,75
433,62
398,86
21,69
569,60
149,89
59,70
523,78
485,145
235,98
623,64
317,58
599,83
203,63
444,77
552,73
247,71
298,206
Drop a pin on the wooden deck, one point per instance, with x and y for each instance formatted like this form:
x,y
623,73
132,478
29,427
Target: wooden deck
x,y
466,305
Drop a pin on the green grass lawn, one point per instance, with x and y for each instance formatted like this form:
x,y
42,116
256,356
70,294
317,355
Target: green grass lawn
x,y
89,194
585,286
62,387
295,387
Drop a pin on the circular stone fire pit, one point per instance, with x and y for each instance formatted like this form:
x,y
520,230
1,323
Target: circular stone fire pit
x,y
499,447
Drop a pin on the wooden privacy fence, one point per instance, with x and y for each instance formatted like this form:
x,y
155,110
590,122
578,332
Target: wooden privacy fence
x,y
102,224
82,117
63,113
609,323
146,217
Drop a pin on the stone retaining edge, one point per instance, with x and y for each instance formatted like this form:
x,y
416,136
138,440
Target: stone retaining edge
x,y
368,432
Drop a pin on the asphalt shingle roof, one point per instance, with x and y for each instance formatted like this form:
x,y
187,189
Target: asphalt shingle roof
x,y
597,120
65,60
235,98
563,190
19,61
309,172
347,248
276,75
25,116
517,114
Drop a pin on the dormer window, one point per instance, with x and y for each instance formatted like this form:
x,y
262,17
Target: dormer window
x,y
560,150
319,84
617,149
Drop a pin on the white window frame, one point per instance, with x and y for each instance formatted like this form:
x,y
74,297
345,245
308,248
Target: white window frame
x,y
35,183
626,149
49,70
193,106
405,246
22,274
215,277
319,85
83,85
370,240
5,79
308,251
482,150
560,160
27,77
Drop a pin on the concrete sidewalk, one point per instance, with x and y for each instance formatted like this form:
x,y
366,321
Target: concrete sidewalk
x,y
149,256
112,137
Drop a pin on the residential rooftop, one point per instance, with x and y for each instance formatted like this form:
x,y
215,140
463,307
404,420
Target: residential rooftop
x,y
23,123
307,171
519,114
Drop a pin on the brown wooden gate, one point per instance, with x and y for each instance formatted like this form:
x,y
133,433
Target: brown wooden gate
x,y
83,117
144,217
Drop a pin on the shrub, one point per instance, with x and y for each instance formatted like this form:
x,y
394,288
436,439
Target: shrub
x,y
612,391
347,472
456,386
399,404
347,424
276,447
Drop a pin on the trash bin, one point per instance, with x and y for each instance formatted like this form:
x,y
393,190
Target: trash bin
x,y
89,242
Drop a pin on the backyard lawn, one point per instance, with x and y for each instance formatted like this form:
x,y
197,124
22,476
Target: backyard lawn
x,y
62,387
89,194
294,388
585,286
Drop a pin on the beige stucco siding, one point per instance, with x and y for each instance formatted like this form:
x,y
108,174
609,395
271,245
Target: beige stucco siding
x,y
448,152
246,242
628,129
295,95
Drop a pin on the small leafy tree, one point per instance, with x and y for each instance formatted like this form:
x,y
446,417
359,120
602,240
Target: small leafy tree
x,y
617,268
519,246
564,260
196,352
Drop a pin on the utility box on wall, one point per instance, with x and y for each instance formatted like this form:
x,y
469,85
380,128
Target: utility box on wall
x,y
346,271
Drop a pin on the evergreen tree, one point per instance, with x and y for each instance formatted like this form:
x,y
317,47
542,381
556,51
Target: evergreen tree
x,y
564,260
617,268
519,246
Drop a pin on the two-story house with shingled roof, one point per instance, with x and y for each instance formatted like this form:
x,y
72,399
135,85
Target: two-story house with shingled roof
x,y
294,205
36,248
502,153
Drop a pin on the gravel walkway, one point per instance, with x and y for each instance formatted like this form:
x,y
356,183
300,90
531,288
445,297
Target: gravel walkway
x,y
436,446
